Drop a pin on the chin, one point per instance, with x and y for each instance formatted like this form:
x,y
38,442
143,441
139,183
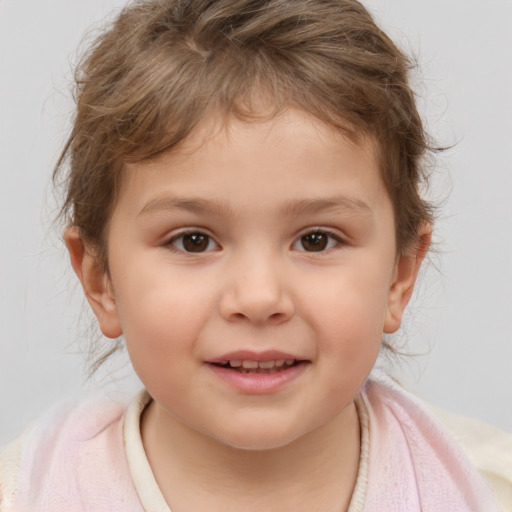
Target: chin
x,y
258,439
259,445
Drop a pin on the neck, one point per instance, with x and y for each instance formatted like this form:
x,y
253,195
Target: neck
x,y
197,473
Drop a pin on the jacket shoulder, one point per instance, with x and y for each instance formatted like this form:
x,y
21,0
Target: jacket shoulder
x,y
54,465
489,449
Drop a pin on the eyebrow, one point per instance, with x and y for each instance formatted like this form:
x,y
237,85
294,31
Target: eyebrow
x,y
292,207
312,206
193,205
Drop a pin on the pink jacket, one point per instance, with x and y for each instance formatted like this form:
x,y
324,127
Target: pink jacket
x,y
78,462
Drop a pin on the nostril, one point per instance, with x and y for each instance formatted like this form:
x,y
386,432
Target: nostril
x,y
277,316
273,318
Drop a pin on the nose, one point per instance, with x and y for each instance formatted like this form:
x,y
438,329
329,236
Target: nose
x,y
257,291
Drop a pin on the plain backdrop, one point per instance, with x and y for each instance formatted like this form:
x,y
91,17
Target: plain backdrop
x,y
459,326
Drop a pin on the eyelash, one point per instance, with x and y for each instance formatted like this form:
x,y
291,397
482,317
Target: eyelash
x,y
181,236
330,237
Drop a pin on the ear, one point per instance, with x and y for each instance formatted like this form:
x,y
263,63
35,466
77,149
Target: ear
x,y
406,272
95,282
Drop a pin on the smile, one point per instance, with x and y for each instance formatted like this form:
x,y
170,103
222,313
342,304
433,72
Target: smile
x,y
250,366
256,376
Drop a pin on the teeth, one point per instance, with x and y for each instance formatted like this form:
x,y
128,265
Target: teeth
x,y
252,365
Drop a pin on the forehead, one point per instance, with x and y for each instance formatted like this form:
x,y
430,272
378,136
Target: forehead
x,y
291,156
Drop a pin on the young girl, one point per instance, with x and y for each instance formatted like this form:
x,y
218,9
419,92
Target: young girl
x,y
243,209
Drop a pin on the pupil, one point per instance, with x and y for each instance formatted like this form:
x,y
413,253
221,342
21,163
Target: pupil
x,y
314,242
195,242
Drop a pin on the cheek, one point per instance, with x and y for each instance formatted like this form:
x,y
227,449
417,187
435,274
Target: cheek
x,y
161,317
158,295
347,314
353,304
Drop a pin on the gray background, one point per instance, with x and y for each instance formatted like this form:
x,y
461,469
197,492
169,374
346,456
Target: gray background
x,y
459,323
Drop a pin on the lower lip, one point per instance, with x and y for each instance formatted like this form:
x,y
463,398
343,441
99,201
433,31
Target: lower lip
x,y
259,383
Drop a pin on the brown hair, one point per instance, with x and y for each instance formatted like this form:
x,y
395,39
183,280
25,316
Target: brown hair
x,y
164,65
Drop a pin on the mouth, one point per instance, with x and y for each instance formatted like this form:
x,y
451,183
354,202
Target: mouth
x,y
248,366
258,373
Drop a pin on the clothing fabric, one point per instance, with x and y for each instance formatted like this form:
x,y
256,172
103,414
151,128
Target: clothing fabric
x,y
73,460
414,464
90,458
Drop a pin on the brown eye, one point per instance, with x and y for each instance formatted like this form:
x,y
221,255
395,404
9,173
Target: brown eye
x,y
317,241
314,242
193,242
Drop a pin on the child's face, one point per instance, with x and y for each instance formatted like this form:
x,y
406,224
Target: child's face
x,y
270,241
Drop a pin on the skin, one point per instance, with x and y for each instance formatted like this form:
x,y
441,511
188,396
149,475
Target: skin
x,y
258,191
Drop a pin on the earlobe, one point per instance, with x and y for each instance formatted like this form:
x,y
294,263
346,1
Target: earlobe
x,y
406,272
95,282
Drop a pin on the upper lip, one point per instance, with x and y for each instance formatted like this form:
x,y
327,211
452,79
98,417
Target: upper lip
x,y
249,355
